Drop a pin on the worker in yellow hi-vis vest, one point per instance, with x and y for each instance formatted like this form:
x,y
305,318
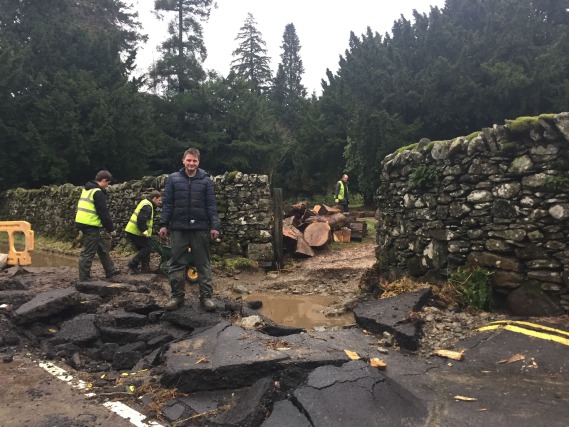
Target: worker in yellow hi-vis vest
x,y
93,219
139,230
341,195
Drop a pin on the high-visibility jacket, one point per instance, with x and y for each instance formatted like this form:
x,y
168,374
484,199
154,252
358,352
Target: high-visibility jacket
x,y
132,226
341,187
86,211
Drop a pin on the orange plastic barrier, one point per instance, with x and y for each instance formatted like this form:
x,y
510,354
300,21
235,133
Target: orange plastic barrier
x,y
19,257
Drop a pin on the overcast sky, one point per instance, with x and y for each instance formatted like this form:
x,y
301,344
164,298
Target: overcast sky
x,y
322,26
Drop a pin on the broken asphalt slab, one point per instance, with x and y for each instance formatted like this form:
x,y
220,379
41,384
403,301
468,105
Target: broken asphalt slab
x,y
393,315
226,356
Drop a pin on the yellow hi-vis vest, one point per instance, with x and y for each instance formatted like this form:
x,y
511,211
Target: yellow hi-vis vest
x,y
86,212
341,191
131,227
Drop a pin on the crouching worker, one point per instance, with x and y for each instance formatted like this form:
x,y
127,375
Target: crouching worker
x,y
139,230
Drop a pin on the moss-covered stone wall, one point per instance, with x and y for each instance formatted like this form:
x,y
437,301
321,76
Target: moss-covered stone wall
x,y
244,208
497,199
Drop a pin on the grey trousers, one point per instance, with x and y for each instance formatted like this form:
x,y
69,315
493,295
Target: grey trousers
x,y
95,242
198,241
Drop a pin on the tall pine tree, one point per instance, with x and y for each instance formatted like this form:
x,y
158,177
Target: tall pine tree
x,y
288,91
251,61
183,52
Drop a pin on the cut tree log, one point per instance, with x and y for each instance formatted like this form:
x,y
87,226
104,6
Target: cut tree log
x,y
359,229
295,210
292,221
291,232
325,210
317,234
308,213
343,235
336,221
303,248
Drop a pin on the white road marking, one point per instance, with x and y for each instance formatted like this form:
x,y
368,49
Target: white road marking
x,y
119,408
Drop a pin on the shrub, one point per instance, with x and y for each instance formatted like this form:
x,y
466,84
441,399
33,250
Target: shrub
x,y
422,176
474,286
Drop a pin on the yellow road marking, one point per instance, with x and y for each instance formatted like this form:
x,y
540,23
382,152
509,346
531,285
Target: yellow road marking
x,y
533,325
535,334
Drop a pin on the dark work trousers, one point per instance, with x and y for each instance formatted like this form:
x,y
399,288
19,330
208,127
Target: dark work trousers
x,y
96,241
198,241
142,245
344,206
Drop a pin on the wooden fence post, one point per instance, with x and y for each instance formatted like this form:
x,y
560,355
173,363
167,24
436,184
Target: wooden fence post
x,y
278,226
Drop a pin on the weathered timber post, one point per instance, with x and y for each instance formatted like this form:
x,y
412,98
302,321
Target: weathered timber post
x,y
278,230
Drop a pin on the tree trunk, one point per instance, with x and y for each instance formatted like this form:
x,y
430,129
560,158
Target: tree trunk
x,y
336,221
317,234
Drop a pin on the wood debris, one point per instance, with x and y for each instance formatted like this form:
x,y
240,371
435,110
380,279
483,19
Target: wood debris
x,y
450,354
514,358
377,363
465,399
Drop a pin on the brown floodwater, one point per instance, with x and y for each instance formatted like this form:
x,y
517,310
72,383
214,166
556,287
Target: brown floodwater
x,y
299,311
45,258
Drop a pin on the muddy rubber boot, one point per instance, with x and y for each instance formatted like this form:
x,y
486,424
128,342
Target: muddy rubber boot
x,y
174,304
113,273
177,284
207,304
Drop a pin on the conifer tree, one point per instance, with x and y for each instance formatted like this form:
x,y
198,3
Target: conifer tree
x,y
180,68
288,91
251,61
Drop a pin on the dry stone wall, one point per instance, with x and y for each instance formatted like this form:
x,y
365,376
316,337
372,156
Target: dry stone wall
x,y
498,200
243,201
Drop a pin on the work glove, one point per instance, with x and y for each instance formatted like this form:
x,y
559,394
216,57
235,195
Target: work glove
x,y
113,233
336,200
146,233
163,232
214,234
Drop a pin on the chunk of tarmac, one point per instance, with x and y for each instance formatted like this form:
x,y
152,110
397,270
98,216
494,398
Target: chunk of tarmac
x,y
393,315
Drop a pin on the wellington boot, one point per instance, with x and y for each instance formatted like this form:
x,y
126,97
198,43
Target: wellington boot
x,y
207,304
174,304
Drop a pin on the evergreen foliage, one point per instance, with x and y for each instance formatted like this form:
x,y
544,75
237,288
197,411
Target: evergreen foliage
x,y
183,52
251,61
69,107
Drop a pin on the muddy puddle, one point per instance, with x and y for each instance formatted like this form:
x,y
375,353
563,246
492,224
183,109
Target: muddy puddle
x,y
44,258
300,311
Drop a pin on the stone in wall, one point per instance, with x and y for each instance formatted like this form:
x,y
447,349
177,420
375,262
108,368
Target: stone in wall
x,y
500,201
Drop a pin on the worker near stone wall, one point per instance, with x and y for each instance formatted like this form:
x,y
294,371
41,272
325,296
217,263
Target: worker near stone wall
x,y
139,230
94,221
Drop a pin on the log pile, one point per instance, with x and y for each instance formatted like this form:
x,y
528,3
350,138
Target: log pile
x,y
307,229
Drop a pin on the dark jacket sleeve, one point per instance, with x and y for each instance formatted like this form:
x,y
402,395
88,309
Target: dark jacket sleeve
x,y
167,203
100,200
143,216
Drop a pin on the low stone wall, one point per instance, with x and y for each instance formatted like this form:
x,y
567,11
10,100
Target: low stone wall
x,y
243,201
498,199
